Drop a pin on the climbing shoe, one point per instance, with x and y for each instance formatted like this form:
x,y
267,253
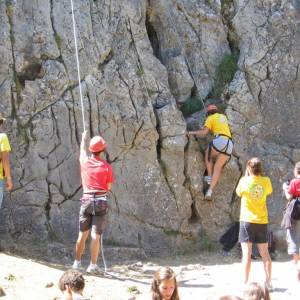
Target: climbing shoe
x,y
207,179
93,269
76,265
208,195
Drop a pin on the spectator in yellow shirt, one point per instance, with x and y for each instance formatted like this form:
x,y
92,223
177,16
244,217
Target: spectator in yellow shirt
x,y
4,161
219,150
253,189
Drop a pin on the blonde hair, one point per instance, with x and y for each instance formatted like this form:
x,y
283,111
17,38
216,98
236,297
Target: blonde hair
x,y
164,273
255,291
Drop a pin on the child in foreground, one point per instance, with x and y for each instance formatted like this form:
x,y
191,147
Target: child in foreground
x,y
164,285
71,284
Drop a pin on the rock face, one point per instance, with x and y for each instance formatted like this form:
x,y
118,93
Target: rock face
x,y
139,61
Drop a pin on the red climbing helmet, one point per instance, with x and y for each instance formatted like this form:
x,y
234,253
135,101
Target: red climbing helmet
x,y
211,107
97,144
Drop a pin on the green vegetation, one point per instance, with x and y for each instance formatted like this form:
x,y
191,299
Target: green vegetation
x,y
191,105
57,40
133,289
224,74
140,72
171,232
205,243
151,92
10,277
9,10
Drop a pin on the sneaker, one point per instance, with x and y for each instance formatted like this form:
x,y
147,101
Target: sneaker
x,y
269,286
93,269
208,195
76,265
207,179
225,253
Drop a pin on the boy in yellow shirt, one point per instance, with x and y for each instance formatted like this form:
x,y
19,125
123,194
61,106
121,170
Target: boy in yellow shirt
x,y
4,161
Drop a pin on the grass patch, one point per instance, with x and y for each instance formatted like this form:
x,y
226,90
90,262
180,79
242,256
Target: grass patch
x,y
57,40
205,243
133,289
9,10
10,277
191,105
171,232
140,72
151,92
224,74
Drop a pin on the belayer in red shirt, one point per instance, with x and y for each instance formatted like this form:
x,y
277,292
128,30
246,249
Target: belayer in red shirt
x,y
97,178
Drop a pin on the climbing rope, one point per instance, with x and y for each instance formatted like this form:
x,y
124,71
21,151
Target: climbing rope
x,y
82,107
78,65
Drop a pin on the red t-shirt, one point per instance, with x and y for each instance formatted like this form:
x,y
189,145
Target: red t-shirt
x,y
96,174
294,187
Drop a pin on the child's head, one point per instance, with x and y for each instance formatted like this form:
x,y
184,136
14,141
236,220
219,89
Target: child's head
x,y
255,291
164,285
2,119
297,169
254,166
230,297
71,282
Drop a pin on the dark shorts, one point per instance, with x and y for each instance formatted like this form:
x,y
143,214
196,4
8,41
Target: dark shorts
x,y
293,238
253,233
92,215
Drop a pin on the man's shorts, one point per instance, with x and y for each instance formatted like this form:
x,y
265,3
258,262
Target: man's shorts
x,y
293,238
253,233
92,214
222,144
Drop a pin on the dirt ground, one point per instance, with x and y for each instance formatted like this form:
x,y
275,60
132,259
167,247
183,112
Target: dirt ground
x,y
202,276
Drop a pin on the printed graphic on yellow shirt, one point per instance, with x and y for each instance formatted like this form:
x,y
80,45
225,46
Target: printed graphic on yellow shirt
x,y
256,191
222,119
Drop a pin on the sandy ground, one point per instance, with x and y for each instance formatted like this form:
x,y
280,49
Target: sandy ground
x,y
203,276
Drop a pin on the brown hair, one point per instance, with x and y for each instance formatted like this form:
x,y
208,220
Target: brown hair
x,y
297,168
73,279
164,273
255,291
254,166
230,297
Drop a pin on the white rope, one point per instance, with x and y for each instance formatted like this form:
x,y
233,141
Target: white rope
x,y
78,65
102,253
81,101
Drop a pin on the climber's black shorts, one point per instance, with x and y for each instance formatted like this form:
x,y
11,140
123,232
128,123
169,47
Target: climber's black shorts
x,y
253,233
92,215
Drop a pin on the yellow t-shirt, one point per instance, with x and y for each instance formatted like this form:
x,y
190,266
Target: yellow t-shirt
x,y
218,124
4,146
254,191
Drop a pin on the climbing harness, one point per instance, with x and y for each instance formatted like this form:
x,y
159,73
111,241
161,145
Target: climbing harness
x,y
223,150
78,65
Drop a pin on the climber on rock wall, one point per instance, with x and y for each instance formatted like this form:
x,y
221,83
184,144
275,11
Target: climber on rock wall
x,y
97,178
219,149
5,173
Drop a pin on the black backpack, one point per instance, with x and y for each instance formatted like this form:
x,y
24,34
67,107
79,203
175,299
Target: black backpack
x,y
295,215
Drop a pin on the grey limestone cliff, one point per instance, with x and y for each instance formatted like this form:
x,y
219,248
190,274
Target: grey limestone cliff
x,y
140,61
